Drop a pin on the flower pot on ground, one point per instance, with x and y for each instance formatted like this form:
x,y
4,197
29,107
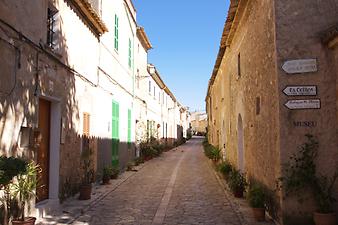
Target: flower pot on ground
x,y
237,183
86,185
85,191
256,198
24,191
325,218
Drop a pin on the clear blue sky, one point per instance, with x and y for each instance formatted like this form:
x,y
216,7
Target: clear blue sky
x,y
185,35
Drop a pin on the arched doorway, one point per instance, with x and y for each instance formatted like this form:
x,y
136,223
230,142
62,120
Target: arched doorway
x,y
240,142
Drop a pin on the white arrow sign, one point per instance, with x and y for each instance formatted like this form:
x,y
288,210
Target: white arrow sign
x,y
303,104
300,66
301,90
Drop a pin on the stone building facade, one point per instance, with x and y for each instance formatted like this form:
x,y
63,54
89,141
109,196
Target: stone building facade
x,y
268,48
68,85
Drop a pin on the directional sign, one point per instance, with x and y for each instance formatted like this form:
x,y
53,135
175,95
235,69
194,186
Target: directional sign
x,y
300,66
301,90
303,104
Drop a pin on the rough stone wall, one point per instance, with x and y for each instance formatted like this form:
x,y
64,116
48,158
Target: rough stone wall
x,y
299,26
236,95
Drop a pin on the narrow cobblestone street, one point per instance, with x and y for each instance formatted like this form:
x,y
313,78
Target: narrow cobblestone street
x,y
177,188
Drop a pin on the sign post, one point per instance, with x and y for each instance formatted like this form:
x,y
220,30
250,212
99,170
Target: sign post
x,y
300,66
303,104
307,90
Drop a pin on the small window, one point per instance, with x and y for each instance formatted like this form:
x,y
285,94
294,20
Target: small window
x,y
116,33
258,105
239,65
149,87
159,97
52,15
154,92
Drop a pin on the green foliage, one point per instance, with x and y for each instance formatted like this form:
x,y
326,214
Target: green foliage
x,y
130,166
237,181
107,171
138,161
9,168
225,168
86,157
24,188
115,172
323,191
151,149
211,152
301,173
256,196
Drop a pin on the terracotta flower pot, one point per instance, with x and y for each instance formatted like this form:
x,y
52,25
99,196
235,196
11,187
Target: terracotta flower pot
x,y
85,191
27,221
259,214
238,194
325,218
105,180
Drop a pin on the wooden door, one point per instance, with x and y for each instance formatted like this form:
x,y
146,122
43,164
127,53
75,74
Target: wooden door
x,y
43,150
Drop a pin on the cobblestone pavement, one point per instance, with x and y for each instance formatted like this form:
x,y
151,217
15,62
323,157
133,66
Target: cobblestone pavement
x,y
176,188
180,187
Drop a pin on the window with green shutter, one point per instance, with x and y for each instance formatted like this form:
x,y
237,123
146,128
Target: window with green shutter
x,y
116,33
129,128
129,54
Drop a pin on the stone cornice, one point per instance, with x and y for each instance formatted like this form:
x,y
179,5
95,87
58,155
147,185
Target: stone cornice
x,y
90,15
229,27
141,34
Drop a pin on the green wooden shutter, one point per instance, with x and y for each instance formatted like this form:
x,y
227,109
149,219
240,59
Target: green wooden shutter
x,y
115,134
129,128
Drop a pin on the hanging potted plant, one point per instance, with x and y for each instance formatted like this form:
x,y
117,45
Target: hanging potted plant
x,y
86,185
237,183
24,190
256,198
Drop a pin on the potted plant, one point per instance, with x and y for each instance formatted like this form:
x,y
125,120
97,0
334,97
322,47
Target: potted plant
x,y
86,185
225,168
24,190
256,198
323,192
237,183
107,172
115,172
10,167
301,173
